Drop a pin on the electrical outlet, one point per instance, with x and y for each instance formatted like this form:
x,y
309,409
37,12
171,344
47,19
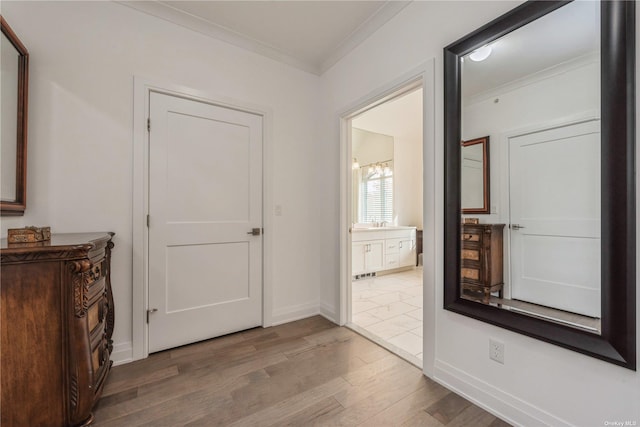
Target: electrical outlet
x,y
496,351
278,210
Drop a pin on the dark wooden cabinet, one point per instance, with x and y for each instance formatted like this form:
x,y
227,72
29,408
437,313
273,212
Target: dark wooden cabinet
x,y
418,246
57,321
482,259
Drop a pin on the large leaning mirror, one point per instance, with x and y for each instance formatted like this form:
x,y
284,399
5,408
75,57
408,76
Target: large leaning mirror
x,y
13,130
553,85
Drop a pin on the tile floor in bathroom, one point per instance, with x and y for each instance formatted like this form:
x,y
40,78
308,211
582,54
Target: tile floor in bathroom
x,y
389,307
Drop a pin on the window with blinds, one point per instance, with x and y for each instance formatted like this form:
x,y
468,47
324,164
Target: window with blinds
x,y
377,196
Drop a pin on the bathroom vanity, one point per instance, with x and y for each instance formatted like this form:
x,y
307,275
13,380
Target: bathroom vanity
x,y
376,249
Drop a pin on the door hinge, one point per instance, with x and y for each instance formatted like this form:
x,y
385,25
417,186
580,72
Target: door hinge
x,y
148,220
151,310
149,125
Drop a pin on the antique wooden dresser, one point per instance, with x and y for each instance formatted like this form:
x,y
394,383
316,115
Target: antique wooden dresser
x,y
482,265
57,321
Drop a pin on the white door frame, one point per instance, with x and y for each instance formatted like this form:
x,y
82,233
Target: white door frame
x,y
423,75
140,242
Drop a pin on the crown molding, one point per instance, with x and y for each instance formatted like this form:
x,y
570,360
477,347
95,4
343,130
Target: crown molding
x,y
384,14
538,76
169,13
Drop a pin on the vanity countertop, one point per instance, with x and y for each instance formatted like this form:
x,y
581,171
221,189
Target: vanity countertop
x,y
388,227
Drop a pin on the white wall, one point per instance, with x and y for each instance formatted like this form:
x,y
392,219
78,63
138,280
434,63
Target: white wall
x,y
84,56
370,147
539,383
408,176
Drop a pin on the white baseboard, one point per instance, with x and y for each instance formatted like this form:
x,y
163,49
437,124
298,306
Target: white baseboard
x,y
122,353
293,313
503,405
329,312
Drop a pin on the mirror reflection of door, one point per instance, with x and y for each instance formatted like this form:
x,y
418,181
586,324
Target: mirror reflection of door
x,y
554,195
536,93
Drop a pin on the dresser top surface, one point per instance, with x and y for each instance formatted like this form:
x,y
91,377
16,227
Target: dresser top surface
x,y
61,241
483,226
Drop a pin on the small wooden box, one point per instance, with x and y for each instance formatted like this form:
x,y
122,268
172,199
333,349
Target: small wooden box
x,y
29,234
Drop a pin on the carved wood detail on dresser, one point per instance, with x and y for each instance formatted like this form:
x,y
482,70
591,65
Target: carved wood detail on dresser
x,y
57,322
482,259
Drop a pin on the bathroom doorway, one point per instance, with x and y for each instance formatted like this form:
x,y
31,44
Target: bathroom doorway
x,y
385,190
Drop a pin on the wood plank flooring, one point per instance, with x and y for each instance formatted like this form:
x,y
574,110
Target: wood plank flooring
x,y
305,373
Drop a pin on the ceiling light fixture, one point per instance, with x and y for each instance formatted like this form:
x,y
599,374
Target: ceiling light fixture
x,y
480,54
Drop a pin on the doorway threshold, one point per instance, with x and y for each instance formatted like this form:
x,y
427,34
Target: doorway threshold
x,y
386,344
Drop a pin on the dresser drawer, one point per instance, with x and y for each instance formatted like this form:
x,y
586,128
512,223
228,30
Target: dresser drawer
x,y
470,253
100,362
471,236
470,273
95,273
94,315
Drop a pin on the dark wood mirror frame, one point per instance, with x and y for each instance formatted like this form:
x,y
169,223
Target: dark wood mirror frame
x,y
17,206
486,189
617,342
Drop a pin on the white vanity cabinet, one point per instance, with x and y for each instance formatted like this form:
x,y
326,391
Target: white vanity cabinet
x,y
392,252
379,249
407,252
367,256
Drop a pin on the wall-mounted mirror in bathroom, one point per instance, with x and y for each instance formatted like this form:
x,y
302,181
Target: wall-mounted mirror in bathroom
x,y
552,84
373,184
475,188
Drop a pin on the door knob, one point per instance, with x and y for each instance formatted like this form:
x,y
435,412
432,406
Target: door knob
x,y
517,226
255,231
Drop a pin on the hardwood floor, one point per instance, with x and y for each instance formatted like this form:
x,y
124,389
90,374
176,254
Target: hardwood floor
x,y
305,373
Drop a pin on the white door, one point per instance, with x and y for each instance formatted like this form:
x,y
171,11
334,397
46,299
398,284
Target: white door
x,y
205,196
555,218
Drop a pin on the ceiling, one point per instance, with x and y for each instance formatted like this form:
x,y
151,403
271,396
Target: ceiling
x,y
568,35
400,117
309,35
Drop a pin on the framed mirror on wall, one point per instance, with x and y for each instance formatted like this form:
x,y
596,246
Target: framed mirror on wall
x,y
14,79
552,84
373,184
475,185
